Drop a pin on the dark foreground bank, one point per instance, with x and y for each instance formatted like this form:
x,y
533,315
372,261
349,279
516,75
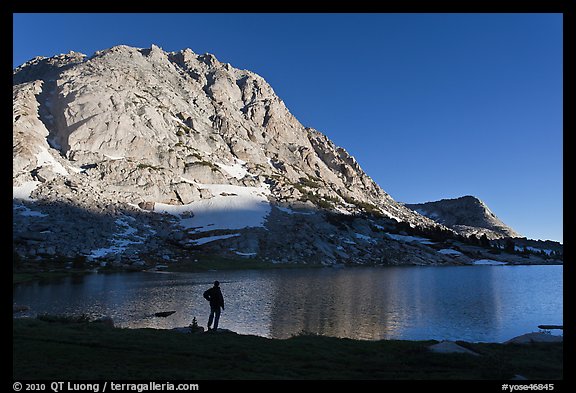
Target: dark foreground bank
x,y
58,350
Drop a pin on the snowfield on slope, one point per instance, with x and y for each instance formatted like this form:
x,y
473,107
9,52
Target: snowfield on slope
x,y
24,190
45,158
232,207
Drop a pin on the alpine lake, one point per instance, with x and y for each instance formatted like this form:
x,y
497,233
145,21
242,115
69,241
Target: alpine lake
x,y
469,303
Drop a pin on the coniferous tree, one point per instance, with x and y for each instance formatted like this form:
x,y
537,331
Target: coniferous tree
x,y
509,246
484,242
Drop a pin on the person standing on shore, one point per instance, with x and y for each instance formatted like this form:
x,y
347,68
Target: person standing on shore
x,y
214,296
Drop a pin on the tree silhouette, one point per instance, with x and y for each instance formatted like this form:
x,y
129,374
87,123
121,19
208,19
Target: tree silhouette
x,y
509,246
473,239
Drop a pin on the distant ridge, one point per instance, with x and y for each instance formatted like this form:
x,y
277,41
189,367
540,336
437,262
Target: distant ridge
x,y
466,215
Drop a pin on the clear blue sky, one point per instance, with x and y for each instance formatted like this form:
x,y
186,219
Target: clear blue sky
x,y
431,105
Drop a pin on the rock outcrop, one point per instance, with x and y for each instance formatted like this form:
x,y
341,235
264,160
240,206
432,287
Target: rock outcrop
x,y
140,153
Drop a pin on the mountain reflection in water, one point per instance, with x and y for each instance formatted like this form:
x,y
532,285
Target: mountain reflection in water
x,y
473,303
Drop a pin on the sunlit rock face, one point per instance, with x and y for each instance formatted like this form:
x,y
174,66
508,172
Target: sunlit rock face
x,y
133,155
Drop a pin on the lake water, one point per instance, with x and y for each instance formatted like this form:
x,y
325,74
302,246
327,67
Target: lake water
x,y
471,303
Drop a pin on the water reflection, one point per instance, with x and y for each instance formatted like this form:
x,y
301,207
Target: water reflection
x,y
342,303
451,297
359,304
477,303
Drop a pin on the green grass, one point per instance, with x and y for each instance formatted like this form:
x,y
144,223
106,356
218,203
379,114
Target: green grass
x,y
57,350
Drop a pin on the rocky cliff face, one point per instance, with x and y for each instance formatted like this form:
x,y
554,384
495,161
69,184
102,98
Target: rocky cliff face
x,y
466,215
139,152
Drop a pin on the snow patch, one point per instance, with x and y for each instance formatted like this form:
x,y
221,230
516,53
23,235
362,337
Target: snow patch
x,y
548,252
342,211
45,158
187,180
121,241
449,251
270,162
392,216
114,157
135,206
533,249
409,239
232,207
76,169
24,190
289,211
237,170
246,254
365,238
488,262
425,213
128,230
209,239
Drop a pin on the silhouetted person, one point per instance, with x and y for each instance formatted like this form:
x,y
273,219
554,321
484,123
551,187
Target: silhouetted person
x,y
214,296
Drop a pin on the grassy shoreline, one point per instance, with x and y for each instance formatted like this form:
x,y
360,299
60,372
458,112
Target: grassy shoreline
x,y
59,350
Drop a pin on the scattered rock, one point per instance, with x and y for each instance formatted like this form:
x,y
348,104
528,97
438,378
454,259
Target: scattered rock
x,y
186,192
164,314
146,206
536,337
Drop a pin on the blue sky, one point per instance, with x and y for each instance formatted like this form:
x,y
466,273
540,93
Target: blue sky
x,y
431,105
